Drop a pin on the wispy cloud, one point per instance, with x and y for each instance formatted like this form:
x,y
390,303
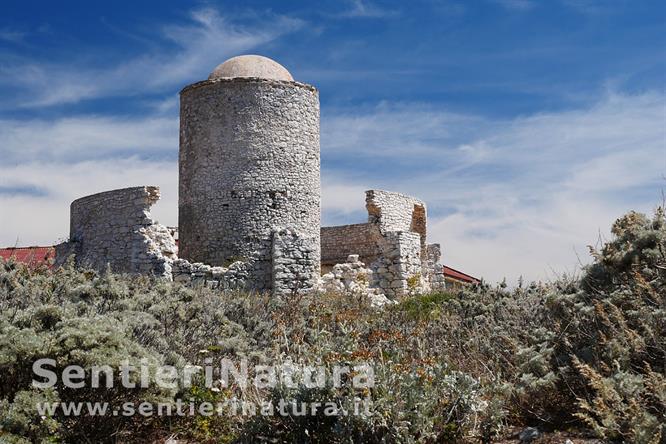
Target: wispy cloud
x,y
25,190
593,7
87,137
366,9
12,35
207,39
43,218
523,196
400,130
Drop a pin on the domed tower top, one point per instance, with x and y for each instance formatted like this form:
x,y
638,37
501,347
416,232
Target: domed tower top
x,y
251,66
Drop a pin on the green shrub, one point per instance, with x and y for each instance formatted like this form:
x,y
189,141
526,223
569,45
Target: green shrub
x,y
449,367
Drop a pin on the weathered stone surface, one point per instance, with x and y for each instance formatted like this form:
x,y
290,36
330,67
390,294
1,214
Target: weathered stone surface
x,y
251,66
432,269
295,263
197,274
392,242
337,243
396,212
249,161
115,228
352,277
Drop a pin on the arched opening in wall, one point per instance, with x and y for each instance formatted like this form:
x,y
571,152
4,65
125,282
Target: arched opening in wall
x,y
418,224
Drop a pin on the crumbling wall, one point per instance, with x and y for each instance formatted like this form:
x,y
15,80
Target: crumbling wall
x,y
396,212
295,262
352,277
337,243
399,270
233,277
392,243
115,228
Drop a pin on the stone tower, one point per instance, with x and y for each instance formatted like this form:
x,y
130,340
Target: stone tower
x,y
248,165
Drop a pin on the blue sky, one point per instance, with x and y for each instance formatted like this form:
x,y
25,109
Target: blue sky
x,y
527,126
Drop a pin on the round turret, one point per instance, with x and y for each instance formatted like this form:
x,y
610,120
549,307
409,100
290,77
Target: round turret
x,y
248,164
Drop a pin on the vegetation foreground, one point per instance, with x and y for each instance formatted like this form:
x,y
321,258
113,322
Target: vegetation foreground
x,y
585,353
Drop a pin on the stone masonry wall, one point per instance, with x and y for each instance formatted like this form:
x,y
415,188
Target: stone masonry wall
x,y
396,212
337,243
398,271
115,228
432,270
392,243
249,161
295,263
352,277
233,277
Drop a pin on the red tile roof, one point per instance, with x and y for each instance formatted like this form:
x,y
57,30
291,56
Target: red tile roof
x,y
459,275
42,255
29,255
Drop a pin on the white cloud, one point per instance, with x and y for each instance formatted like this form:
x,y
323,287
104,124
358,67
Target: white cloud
x,y
342,201
366,9
12,35
593,7
42,220
46,164
195,49
511,197
76,138
405,131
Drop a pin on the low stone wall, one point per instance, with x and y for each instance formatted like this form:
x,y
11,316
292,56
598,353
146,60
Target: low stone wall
x,y
337,243
196,274
352,277
114,228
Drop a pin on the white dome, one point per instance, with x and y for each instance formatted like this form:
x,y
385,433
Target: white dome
x,y
251,66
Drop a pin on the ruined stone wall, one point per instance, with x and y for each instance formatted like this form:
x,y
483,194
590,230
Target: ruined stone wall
x,y
392,244
398,271
432,269
353,277
115,228
233,277
337,243
249,165
295,263
397,212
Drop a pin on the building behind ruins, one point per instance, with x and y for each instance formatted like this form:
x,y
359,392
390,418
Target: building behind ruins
x,y
249,203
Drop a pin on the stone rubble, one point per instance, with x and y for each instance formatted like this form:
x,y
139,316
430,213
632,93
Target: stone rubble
x,y
352,277
233,277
